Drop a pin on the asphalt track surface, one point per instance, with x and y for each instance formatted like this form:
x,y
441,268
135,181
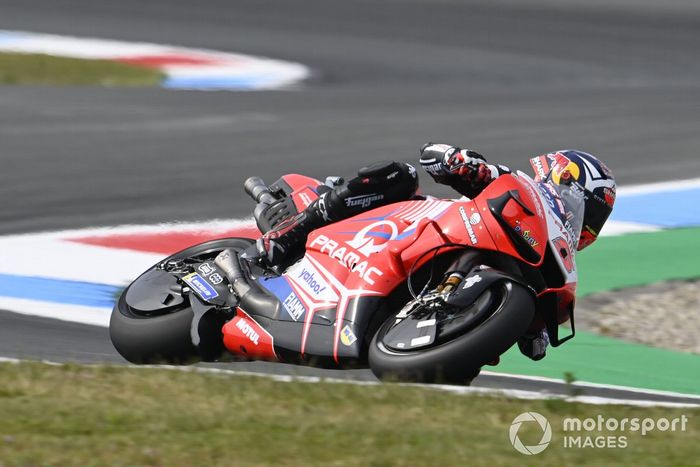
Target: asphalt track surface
x,y
620,79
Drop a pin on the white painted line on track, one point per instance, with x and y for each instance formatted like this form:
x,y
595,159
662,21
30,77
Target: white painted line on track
x,y
465,390
94,316
460,390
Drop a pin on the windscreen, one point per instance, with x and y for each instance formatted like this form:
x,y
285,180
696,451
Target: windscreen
x,y
568,203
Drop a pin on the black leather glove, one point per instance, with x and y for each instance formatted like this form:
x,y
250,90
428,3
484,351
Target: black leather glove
x,y
444,162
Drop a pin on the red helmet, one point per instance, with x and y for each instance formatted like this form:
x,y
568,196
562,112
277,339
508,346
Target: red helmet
x,y
576,175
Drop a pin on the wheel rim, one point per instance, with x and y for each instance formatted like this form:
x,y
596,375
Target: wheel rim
x,y
452,325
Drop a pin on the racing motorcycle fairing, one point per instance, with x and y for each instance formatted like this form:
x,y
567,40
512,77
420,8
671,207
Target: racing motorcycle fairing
x,y
515,218
335,306
302,190
324,303
249,338
556,306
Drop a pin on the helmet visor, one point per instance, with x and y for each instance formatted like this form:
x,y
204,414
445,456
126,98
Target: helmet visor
x,y
597,212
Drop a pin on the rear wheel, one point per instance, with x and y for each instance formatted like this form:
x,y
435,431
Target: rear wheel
x,y
505,312
163,335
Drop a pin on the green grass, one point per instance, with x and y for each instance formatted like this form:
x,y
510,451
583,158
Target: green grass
x,y
74,415
601,359
37,69
638,259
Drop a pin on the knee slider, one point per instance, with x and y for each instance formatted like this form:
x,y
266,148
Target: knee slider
x,y
402,183
378,169
389,172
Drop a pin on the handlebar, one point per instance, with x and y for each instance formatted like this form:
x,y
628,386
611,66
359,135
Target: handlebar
x,y
256,189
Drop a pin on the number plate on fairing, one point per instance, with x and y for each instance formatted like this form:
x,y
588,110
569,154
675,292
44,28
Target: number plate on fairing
x,y
200,286
208,283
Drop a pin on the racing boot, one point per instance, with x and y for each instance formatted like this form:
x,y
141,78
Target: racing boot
x,y
283,245
534,344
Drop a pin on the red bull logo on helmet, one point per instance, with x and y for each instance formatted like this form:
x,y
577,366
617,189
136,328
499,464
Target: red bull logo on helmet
x,y
563,168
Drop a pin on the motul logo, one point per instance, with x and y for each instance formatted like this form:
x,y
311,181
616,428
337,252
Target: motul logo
x,y
248,331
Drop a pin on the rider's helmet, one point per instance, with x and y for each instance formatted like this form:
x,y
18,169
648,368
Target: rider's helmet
x,y
584,185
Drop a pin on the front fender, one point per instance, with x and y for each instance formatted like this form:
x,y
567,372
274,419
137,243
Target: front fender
x,y
422,324
478,281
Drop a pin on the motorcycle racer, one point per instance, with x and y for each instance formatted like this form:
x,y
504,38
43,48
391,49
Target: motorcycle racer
x,y
581,187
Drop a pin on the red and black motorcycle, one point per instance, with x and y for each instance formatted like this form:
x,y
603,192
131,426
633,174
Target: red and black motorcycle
x,y
423,290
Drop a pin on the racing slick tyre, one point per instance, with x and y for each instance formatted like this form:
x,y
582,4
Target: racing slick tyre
x,y
147,337
509,308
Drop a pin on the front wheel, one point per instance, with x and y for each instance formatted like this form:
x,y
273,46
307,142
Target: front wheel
x,y
509,308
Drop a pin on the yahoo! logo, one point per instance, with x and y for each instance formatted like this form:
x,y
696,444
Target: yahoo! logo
x,y
308,277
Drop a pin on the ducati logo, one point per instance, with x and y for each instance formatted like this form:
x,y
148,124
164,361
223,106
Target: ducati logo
x,y
469,281
365,244
370,240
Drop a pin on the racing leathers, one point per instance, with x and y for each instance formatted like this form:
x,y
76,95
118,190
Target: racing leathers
x,y
376,185
379,184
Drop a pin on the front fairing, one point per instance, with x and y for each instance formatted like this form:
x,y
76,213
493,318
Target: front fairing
x,y
514,217
561,232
